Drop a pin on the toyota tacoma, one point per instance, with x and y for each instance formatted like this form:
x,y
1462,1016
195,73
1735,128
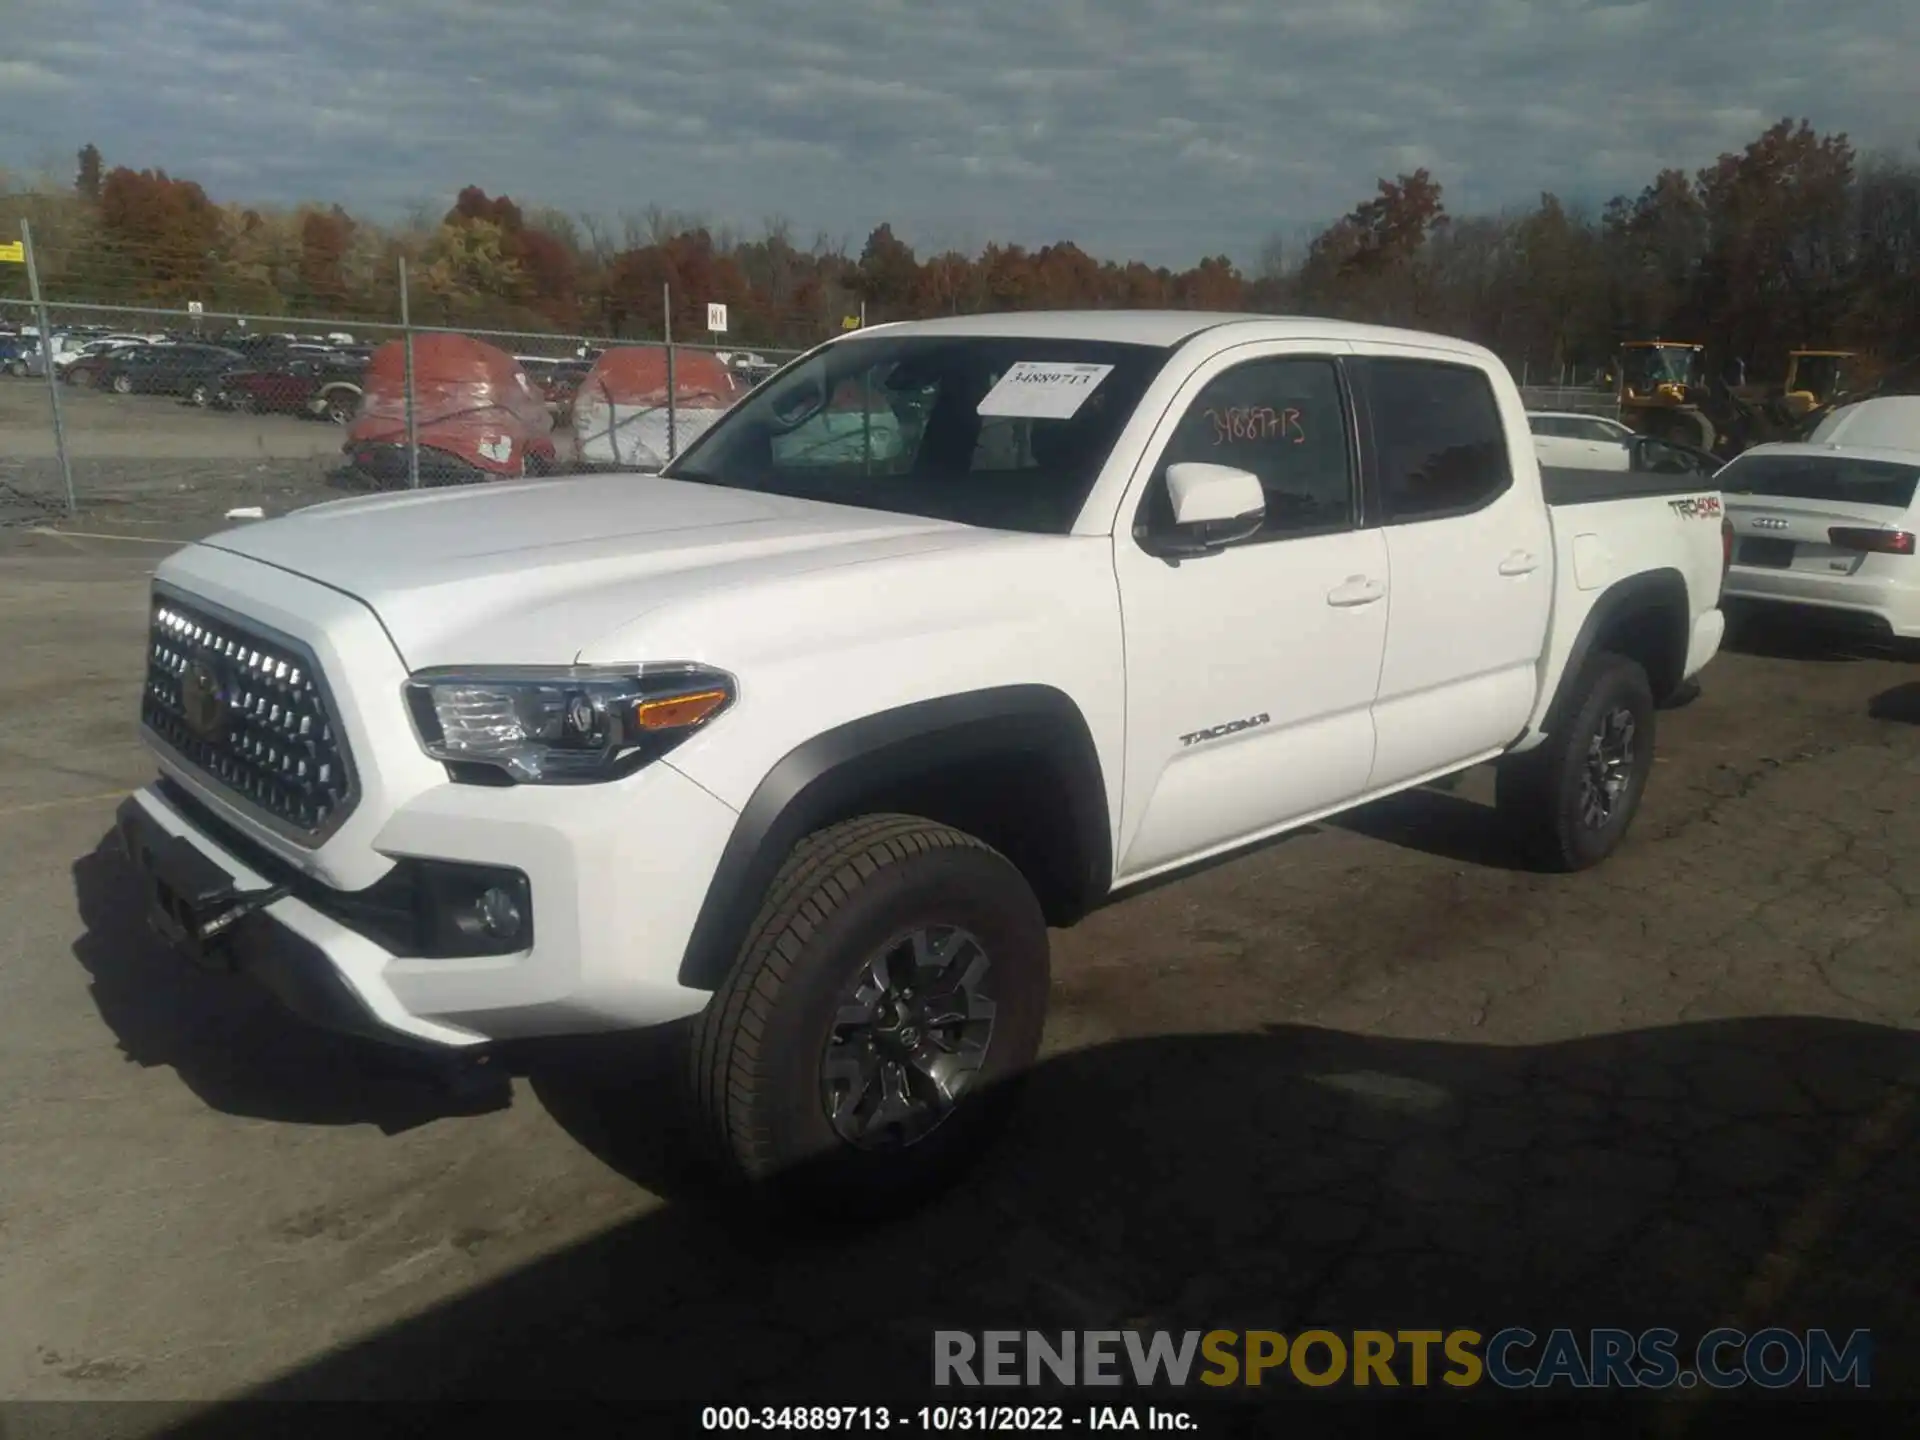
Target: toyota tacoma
x,y
807,743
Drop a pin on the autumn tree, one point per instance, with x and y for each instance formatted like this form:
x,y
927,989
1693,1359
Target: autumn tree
x,y
1776,259
1370,260
691,266
542,269
86,180
1653,247
326,238
157,237
1883,306
887,275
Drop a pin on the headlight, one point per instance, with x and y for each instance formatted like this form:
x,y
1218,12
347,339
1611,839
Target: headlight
x,y
561,726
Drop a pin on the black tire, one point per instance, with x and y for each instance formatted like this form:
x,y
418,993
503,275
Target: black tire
x,y
340,406
201,394
1542,795
843,899
123,384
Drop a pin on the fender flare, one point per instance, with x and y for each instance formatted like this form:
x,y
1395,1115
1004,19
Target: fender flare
x,y
826,778
1658,593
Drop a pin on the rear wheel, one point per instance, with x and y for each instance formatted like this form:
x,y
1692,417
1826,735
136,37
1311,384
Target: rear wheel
x,y
123,384
866,1043
341,406
1570,801
200,393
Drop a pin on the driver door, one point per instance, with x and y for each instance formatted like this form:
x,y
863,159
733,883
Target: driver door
x,y
1252,670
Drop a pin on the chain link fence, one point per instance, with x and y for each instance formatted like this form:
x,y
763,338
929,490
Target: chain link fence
x,y
153,414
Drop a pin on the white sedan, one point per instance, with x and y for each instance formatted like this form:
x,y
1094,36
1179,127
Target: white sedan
x,y
1569,440
1827,528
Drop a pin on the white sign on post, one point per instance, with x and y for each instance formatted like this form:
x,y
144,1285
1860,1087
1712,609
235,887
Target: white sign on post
x,y
1039,390
717,319
194,307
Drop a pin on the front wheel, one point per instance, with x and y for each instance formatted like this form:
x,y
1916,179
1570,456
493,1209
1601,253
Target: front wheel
x,y
867,1042
341,406
200,394
123,384
1570,801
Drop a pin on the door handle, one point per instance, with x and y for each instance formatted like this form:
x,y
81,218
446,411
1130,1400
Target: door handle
x,y
1520,562
1357,590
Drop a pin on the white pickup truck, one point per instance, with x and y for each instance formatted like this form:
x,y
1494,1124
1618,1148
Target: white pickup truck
x,y
811,746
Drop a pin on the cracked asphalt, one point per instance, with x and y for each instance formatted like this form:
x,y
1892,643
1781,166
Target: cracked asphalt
x,y
1371,1076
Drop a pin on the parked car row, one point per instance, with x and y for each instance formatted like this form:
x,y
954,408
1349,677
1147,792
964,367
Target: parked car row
x,y
480,412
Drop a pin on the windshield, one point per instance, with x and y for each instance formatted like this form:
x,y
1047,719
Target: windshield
x,y
1822,477
1644,367
1003,433
1818,375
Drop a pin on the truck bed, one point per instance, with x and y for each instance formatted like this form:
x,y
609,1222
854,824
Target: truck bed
x,y
1566,485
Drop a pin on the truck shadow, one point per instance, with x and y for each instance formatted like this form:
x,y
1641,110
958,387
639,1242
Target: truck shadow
x,y
1901,704
1438,823
1743,1173
1788,636
229,1041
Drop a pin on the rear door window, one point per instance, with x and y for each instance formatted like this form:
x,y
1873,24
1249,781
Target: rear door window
x,y
1440,447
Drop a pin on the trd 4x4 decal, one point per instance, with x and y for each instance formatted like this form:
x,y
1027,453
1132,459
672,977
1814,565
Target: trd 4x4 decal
x,y
1697,507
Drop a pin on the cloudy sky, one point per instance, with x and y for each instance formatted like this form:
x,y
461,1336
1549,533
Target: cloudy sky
x,y
1159,129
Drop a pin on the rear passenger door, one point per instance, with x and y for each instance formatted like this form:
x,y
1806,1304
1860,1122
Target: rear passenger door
x,y
1251,670
1470,559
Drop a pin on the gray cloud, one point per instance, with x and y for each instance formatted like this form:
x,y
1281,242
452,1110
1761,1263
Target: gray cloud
x,y
1163,129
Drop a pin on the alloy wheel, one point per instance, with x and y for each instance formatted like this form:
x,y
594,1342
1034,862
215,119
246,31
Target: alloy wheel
x,y
908,1039
1608,770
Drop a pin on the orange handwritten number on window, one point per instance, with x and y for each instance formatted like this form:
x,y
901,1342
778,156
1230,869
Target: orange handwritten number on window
x,y
1258,422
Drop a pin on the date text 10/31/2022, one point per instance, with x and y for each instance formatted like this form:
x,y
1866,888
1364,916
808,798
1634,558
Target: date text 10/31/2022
x,y
930,1419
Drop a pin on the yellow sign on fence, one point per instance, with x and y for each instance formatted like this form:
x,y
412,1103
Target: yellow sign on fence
x,y
14,254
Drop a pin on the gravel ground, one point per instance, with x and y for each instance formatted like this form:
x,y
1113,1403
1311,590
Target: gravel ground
x,y
145,460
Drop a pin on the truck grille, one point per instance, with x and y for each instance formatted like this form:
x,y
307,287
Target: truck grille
x,y
246,708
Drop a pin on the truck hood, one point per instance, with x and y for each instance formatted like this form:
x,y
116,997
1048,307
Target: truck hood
x,y
533,573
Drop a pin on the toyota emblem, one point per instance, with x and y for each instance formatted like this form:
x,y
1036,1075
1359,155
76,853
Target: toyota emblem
x,y
202,705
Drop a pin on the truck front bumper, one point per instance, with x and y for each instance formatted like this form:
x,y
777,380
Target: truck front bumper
x,y
613,881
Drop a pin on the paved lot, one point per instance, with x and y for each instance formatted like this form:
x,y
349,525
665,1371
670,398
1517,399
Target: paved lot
x,y
1371,1076
145,461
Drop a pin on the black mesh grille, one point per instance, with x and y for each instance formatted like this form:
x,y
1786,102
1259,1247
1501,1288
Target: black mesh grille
x,y
247,709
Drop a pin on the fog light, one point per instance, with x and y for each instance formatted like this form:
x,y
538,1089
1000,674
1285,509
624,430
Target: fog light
x,y
499,913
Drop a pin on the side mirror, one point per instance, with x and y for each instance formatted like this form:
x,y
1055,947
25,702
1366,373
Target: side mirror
x,y
1213,506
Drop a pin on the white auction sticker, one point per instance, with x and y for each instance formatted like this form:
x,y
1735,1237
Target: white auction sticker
x,y
1039,390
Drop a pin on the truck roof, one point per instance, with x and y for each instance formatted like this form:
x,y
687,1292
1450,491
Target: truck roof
x,y
1165,328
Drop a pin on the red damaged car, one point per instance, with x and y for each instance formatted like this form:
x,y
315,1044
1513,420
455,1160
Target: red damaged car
x,y
477,416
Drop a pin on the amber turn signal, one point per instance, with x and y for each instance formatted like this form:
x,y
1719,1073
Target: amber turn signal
x,y
677,712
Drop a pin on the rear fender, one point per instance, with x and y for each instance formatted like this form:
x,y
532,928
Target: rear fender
x,y
1645,616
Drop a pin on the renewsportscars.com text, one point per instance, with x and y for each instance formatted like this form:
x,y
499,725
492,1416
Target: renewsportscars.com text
x,y
1514,1358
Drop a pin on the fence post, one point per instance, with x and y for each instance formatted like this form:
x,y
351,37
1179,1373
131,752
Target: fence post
x,y
406,337
666,321
46,352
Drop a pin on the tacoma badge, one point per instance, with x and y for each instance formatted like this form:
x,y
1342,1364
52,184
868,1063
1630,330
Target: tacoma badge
x,y
1232,727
